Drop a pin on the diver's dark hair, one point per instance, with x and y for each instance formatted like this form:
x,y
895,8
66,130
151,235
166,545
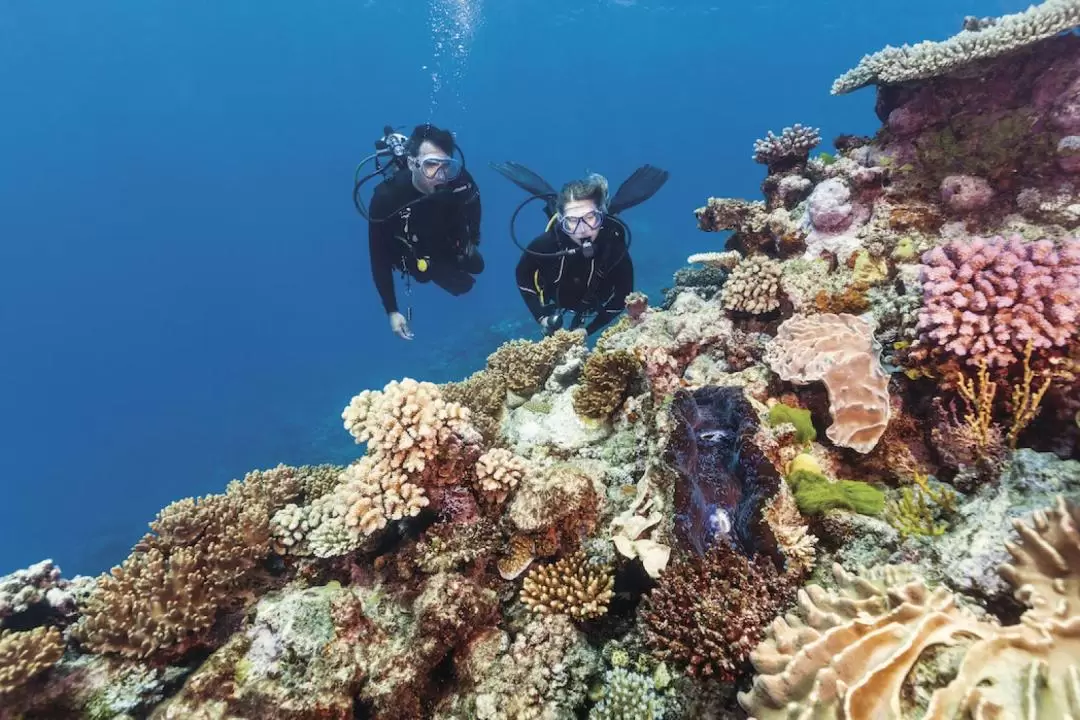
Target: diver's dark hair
x,y
442,139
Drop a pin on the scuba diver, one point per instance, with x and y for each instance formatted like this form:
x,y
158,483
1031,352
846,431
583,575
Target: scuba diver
x,y
423,219
581,262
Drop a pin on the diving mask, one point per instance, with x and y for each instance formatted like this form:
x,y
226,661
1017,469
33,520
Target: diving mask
x,y
592,220
439,167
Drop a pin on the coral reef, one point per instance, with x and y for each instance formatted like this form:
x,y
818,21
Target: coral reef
x,y
876,369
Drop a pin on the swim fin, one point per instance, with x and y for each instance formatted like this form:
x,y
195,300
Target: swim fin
x,y
524,178
636,189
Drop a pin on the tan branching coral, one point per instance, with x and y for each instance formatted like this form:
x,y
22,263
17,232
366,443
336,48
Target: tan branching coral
x,y
851,653
25,655
164,599
753,286
839,351
726,260
499,471
572,586
605,381
523,366
416,441
790,530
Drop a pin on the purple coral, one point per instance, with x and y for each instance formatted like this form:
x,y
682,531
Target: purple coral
x,y
791,147
724,477
966,193
984,300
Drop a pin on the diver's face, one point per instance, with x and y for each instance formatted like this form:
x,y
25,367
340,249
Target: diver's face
x,y
581,220
431,167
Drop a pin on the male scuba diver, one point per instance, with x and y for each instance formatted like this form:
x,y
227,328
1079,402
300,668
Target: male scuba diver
x,y
581,263
423,219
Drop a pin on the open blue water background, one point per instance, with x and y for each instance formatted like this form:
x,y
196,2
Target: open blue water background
x,y
184,285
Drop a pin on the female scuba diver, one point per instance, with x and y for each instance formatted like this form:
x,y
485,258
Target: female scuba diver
x,y
581,262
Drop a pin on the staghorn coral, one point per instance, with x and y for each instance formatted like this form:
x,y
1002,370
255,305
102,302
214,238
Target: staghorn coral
x,y
985,299
573,586
788,149
753,286
523,366
163,600
850,653
25,655
498,471
839,351
929,59
605,382
707,614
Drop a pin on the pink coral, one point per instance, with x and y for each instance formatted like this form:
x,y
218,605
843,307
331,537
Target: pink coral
x,y
830,206
987,298
966,193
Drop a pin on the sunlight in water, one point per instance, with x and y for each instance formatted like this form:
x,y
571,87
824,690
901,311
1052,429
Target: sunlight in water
x,y
453,24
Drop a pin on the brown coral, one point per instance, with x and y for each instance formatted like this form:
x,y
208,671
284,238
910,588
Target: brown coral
x,y
605,381
25,655
523,366
164,599
708,613
572,586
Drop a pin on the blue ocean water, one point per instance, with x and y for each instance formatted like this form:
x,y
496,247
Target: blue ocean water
x,y
184,284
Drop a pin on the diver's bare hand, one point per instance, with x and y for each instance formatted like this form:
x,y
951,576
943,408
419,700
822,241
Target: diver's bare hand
x,y
400,326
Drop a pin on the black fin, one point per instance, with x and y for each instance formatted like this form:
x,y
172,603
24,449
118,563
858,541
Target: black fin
x,y
637,188
530,182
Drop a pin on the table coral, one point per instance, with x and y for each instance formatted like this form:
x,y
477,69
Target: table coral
x,y
839,351
986,298
928,59
708,613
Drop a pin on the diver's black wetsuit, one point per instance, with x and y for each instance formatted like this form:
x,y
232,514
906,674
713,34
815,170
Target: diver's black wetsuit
x,y
575,283
446,226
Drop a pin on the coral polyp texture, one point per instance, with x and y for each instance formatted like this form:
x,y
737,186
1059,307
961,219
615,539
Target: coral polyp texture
x,y
835,468
986,299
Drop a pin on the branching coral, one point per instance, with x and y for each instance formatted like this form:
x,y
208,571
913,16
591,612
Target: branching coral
x,y
839,351
165,597
605,381
928,59
709,613
628,694
571,586
24,655
38,586
913,513
753,286
985,299
790,530
850,653
498,471
416,441
791,147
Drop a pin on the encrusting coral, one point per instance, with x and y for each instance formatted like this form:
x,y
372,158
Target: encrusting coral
x,y
572,586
